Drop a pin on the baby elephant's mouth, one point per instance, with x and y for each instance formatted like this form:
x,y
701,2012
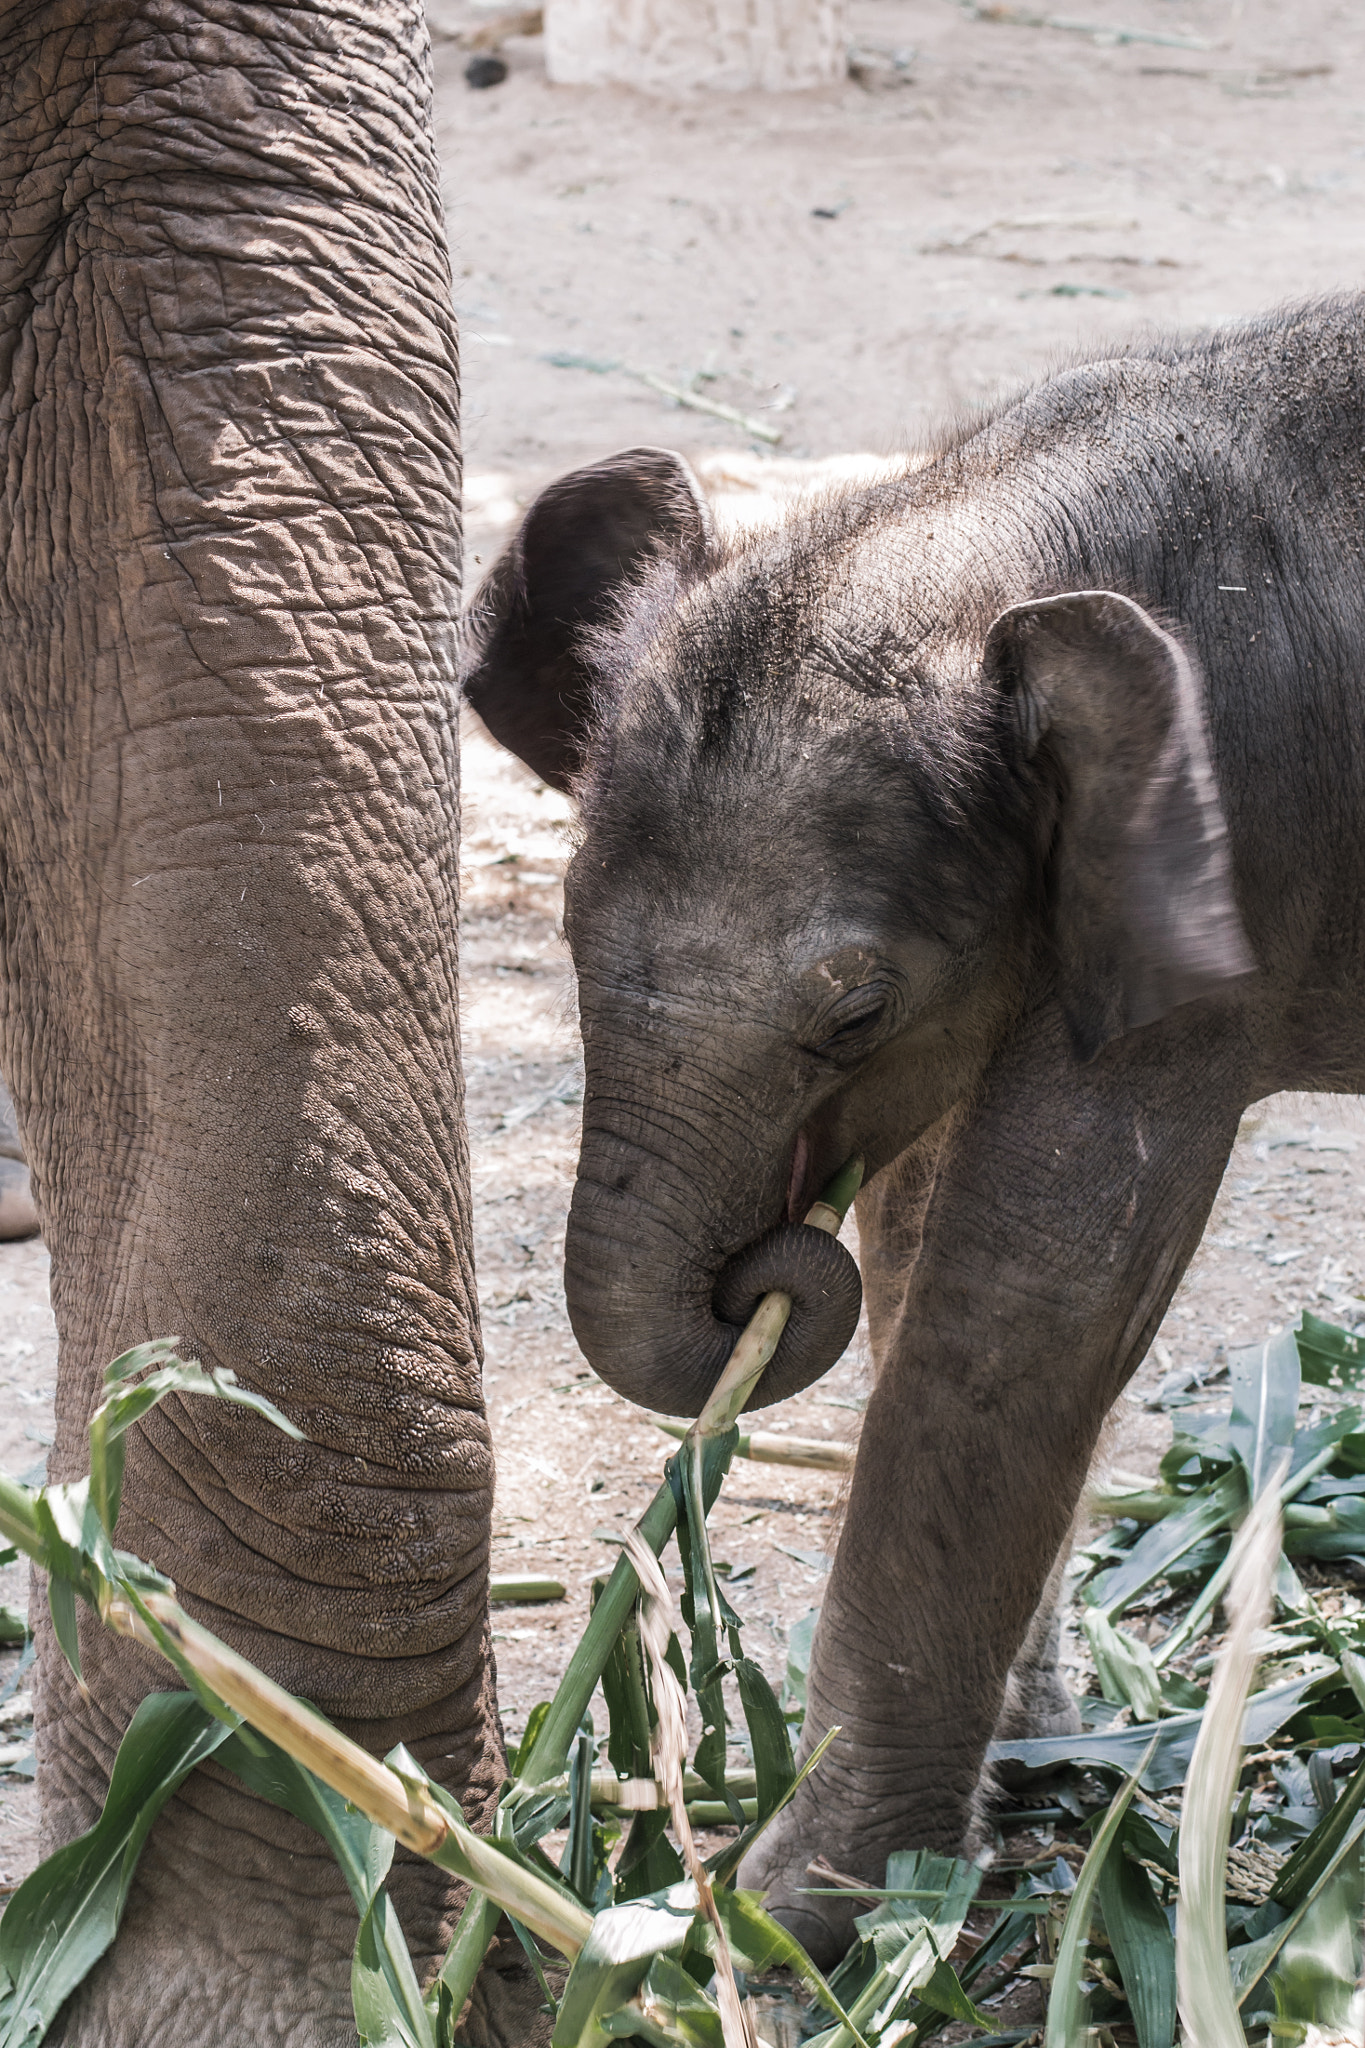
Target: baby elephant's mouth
x,y
798,1196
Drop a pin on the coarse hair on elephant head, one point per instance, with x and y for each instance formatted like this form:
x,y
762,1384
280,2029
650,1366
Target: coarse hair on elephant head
x,y
851,801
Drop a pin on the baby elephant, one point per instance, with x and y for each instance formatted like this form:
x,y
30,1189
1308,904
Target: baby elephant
x,y
1002,823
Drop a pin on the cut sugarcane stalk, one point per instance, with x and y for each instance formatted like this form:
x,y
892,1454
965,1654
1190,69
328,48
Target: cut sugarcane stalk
x,y
766,1447
757,1343
550,1752
407,1809
523,1592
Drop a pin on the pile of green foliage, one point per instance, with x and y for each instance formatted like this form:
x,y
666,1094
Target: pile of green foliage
x,y
660,1944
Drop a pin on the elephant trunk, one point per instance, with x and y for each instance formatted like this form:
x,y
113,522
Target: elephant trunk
x,y
666,1259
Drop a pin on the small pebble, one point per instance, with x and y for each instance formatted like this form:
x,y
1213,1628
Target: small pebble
x,y
481,72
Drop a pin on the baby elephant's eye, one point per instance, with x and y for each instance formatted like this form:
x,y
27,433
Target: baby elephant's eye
x,y
853,1023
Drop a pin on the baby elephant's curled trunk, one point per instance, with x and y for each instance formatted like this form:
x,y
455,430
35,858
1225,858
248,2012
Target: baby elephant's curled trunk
x,y
826,1295
659,1326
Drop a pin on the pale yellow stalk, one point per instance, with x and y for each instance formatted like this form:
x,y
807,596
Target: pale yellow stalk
x,y
758,1340
765,1447
1204,1992
405,1808
668,1751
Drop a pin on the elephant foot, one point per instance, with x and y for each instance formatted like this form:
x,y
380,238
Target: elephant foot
x,y
1038,1703
18,1217
1046,1707
506,2007
778,1864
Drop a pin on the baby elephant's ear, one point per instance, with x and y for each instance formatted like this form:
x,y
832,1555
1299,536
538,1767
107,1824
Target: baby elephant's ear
x,y
585,536
1144,915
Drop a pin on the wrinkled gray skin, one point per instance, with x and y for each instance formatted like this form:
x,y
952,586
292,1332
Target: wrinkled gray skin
x,y
902,837
229,522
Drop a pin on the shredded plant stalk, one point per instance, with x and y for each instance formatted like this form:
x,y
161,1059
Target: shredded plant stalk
x,y
1204,1987
668,1752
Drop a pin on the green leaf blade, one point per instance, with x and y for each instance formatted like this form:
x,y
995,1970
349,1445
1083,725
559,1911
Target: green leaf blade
x,y
774,1764
67,1913
1144,1948
1066,2017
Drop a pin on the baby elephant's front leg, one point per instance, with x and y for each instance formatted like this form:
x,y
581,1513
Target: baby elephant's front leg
x,y
1064,1210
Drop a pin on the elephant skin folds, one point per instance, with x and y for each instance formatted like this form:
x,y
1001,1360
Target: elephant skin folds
x,y
230,535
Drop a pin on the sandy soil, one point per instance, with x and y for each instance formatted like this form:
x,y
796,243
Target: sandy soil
x,y
1021,194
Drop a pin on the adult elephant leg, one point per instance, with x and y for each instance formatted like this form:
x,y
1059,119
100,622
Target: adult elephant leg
x,y
1065,1207
230,535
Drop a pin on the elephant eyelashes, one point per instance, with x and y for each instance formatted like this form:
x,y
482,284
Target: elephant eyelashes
x,y
855,1025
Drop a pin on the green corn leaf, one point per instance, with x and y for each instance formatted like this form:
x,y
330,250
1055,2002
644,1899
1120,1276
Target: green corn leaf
x,y
723,1865
1147,1843
1329,1356
70,1531
614,1961
1265,1403
1144,1947
1120,1748
1208,2008
474,1930
1015,1926
61,1600
706,1614
648,1862
1207,1511
758,1942
1351,1451
629,1718
1332,1435
160,1351
577,1863
1250,1965
127,1404
535,1721
66,1914
1314,1976
132,1579
389,2007
903,1946
504,1837
1067,2020
1126,1672
774,1765
1212,1457
670,2010
1337,1530
269,1772
385,1996
1181,1695
1315,1854
943,1992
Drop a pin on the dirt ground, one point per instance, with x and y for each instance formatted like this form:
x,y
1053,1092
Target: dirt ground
x,y
842,267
